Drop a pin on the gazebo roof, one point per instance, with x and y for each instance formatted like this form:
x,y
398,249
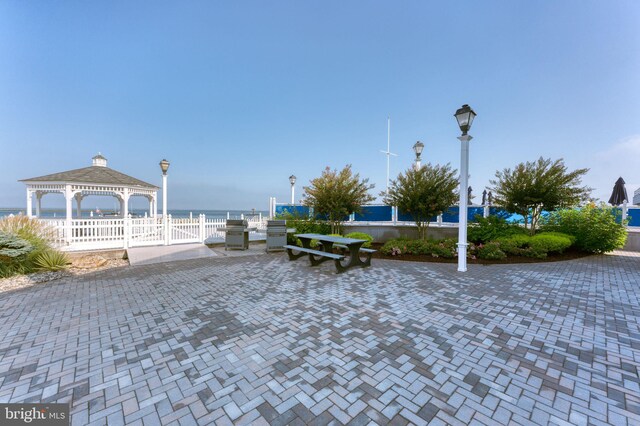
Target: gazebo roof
x,y
96,174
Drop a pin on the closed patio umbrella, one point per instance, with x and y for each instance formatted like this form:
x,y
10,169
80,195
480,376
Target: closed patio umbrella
x,y
484,197
619,196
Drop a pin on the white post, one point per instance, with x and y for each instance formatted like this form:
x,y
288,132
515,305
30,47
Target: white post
x,y
29,203
68,195
486,212
127,230
439,219
293,186
201,227
418,164
38,203
167,229
78,198
624,212
125,203
462,221
150,208
164,195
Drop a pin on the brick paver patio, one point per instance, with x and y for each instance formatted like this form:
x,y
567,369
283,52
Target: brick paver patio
x,y
261,340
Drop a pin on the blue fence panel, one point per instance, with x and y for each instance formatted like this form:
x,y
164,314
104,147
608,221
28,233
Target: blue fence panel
x,y
300,211
374,214
451,215
406,217
472,212
634,216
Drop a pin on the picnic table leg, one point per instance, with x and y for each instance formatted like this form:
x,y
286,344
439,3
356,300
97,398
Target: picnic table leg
x,y
327,247
306,243
354,259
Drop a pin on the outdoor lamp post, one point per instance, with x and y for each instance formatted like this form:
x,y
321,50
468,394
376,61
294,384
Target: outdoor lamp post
x,y
292,180
464,116
164,166
417,148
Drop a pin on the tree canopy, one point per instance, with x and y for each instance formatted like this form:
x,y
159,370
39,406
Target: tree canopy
x,y
336,194
423,193
532,187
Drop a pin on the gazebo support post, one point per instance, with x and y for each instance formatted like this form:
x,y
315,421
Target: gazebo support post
x,y
38,203
68,196
29,203
125,196
78,198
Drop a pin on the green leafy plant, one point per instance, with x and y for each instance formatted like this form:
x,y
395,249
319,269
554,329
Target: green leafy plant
x,y
14,252
551,242
436,248
51,260
491,228
361,236
423,193
532,187
491,251
595,228
336,194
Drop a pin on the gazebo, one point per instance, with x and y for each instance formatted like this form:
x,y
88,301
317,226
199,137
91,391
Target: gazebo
x,y
95,180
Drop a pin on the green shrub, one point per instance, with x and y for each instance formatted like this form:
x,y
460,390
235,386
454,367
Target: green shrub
x,y
35,232
361,236
435,248
491,251
51,260
515,245
595,228
491,228
14,252
305,226
551,242
446,248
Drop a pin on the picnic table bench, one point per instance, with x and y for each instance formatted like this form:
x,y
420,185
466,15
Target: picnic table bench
x,y
350,247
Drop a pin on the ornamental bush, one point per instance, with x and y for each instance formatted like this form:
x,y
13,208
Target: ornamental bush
x,y
14,252
551,242
491,251
435,248
491,228
595,228
361,236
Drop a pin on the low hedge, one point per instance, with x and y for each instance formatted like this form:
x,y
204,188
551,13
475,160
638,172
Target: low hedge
x,y
435,248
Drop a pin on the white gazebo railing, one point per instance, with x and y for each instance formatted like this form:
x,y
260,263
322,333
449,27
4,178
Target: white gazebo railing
x,y
99,233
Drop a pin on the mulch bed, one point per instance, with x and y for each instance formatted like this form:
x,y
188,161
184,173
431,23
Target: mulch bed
x,y
568,255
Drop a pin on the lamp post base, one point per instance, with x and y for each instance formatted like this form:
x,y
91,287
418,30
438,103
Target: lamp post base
x,y
462,257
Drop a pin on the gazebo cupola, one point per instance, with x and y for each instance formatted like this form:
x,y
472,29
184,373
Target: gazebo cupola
x,y
98,179
99,161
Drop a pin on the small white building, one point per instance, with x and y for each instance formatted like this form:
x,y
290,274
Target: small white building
x,y
98,179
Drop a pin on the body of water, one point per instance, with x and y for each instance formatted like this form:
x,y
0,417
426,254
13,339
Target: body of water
x,y
86,213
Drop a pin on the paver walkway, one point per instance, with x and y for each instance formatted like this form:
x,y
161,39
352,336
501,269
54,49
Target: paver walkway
x,y
259,339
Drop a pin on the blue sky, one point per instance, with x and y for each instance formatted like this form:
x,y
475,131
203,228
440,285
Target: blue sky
x,y
240,95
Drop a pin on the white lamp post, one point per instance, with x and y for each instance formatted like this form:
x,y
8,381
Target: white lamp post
x,y
417,148
464,116
292,180
164,166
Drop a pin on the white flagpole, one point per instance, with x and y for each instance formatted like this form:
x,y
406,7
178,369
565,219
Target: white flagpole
x,y
388,151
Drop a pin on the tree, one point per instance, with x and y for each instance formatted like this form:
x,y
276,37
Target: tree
x,y
335,195
532,187
423,193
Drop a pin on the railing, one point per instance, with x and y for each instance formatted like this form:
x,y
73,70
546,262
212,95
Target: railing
x,y
99,233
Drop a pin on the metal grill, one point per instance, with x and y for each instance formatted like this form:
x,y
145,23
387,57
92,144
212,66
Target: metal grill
x,y
276,234
236,235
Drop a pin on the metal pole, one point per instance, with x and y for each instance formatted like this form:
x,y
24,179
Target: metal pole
x,y
164,195
464,184
293,186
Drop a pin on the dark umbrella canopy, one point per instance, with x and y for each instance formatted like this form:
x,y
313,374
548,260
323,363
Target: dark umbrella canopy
x,y
619,194
484,197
